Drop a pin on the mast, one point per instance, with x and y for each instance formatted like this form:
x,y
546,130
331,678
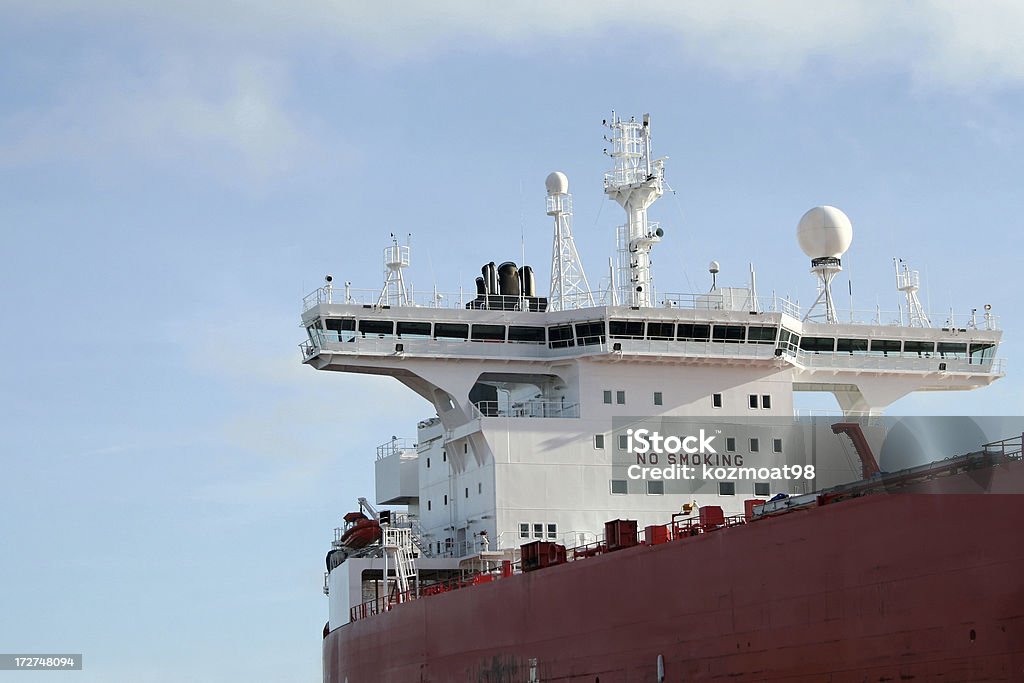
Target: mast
x,y
635,182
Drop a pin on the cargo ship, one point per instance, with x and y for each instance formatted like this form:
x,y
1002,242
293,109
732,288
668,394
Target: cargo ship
x,y
614,484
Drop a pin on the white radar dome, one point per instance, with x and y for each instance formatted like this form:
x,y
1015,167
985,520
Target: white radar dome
x,y
824,232
557,183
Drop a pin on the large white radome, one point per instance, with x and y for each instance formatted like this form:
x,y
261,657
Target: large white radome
x,y
557,183
824,231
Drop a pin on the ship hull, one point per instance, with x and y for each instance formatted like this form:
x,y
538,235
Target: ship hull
x,y
888,587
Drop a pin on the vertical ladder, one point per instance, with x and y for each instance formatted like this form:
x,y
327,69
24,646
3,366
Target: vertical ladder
x,y
398,554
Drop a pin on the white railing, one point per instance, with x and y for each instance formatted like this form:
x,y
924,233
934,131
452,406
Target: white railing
x,y
707,301
396,446
532,408
896,361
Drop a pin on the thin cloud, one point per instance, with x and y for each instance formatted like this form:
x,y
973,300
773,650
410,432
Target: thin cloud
x,y
231,120
937,43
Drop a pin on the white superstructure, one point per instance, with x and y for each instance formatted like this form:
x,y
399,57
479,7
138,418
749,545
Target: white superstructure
x,y
530,402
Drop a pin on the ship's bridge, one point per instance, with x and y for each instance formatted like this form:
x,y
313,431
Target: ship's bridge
x,y
724,327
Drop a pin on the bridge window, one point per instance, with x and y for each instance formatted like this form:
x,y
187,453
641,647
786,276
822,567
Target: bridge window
x,y
727,488
982,352
561,337
732,334
761,488
691,332
524,531
405,328
761,335
661,331
852,346
552,530
716,400
818,344
886,346
619,487
538,531
919,347
626,329
527,335
448,331
378,327
344,327
590,333
656,488
488,333
953,351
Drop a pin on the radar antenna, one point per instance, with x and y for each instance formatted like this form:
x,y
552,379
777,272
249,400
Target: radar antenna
x,y
569,286
635,182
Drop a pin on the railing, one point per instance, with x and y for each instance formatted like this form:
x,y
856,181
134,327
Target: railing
x,y
680,528
1012,448
907,361
719,300
532,408
396,445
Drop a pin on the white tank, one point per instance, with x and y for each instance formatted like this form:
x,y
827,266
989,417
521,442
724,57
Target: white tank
x,y
824,232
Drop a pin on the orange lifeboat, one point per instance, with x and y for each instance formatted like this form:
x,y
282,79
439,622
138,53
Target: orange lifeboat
x,y
360,531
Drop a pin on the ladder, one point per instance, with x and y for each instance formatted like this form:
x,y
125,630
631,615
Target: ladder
x,y
397,544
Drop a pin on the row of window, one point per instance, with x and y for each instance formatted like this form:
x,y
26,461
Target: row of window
x,y
657,488
976,352
538,530
594,332
479,490
764,401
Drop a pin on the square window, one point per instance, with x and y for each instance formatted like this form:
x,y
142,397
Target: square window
x,y
429,505
716,400
608,397
618,487
524,531
777,445
552,530
655,488
598,440
467,492
657,398
753,400
761,488
727,488
538,531
623,442
446,499
766,401
730,444
754,445
620,397
428,462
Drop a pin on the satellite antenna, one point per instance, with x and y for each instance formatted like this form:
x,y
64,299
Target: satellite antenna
x,y
824,234
909,282
569,286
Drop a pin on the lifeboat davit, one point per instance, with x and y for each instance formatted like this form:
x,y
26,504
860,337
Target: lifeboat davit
x,y
361,531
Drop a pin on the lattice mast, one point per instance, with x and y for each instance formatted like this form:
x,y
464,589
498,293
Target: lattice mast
x,y
635,182
569,286
396,259
909,282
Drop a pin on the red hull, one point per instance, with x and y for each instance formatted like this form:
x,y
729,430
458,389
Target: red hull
x,y
882,588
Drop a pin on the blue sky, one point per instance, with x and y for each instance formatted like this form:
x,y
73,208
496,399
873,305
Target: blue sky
x,y
174,177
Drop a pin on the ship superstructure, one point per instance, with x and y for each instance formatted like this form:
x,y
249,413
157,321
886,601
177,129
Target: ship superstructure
x,y
531,394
